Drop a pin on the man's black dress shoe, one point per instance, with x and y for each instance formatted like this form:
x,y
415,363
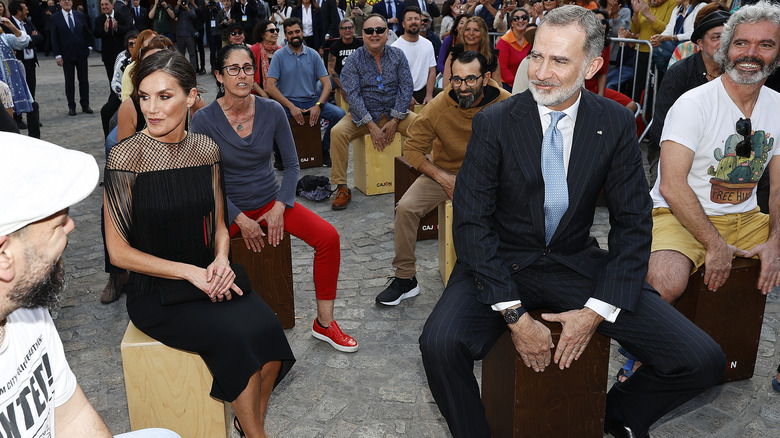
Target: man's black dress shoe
x,y
72,112
619,430
86,109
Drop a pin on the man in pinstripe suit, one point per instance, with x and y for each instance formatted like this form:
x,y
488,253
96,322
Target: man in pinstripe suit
x,y
509,263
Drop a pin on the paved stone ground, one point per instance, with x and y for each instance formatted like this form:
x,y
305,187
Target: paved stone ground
x,y
381,390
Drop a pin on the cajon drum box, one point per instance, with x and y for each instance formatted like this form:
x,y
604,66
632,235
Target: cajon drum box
x,y
447,255
270,272
405,175
732,316
308,143
373,170
170,388
520,402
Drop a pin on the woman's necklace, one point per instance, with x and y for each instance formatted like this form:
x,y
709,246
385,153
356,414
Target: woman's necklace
x,y
239,127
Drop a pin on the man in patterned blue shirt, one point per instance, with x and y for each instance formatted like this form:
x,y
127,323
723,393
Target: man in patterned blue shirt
x,y
378,87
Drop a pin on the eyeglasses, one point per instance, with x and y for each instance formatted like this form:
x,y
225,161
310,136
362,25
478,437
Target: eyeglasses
x,y
517,18
347,28
745,129
274,30
425,20
381,86
233,70
470,80
370,30
237,33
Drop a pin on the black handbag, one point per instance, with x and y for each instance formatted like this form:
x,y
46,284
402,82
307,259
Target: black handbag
x,y
182,291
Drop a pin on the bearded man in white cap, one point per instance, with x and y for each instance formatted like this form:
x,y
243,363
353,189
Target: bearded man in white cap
x,y
39,396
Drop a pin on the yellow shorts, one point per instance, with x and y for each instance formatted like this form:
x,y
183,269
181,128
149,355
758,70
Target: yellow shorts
x,y
743,230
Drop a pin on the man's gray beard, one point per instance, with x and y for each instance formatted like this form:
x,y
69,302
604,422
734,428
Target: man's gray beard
x,y
749,78
558,95
465,102
42,286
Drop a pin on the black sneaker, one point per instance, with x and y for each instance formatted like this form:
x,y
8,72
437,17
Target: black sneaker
x,y
326,159
399,289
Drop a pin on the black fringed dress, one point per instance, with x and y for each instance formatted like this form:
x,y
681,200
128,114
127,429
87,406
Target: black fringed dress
x,y
164,200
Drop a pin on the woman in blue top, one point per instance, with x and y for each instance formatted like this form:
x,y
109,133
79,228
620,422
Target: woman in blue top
x,y
245,128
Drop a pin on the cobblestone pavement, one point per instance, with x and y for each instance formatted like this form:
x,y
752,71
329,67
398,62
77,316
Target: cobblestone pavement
x,y
381,390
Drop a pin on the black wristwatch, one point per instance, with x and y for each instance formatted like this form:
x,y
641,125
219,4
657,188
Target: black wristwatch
x,y
511,316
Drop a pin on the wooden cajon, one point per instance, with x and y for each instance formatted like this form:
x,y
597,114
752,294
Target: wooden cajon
x,y
446,248
732,316
373,170
308,143
405,175
270,272
520,402
340,101
169,388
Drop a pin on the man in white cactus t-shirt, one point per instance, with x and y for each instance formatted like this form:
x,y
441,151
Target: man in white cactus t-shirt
x,y
718,139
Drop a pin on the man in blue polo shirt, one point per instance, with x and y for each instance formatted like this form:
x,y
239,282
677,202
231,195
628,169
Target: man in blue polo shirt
x,y
292,81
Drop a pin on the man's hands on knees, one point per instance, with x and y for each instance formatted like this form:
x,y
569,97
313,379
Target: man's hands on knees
x,y
578,328
769,253
717,262
533,341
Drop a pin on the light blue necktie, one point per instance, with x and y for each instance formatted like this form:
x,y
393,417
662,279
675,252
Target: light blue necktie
x,y
556,192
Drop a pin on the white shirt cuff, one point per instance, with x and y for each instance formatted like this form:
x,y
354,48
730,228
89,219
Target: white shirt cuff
x,y
608,311
505,305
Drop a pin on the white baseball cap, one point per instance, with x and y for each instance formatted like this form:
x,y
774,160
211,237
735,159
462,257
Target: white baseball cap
x,y
38,179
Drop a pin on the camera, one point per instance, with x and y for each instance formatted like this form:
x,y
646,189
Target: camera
x,y
212,4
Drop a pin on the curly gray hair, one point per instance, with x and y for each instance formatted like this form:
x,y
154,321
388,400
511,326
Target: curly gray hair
x,y
755,13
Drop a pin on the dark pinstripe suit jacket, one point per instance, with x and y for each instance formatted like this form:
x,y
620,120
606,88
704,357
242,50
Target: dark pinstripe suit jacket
x,y
499,200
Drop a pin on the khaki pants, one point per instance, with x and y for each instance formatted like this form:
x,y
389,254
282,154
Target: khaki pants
x,y
346,131
423,196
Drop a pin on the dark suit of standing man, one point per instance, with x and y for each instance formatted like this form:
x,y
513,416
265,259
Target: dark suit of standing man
x,y
111,27
515,254
393,15
71,41
428,6
140,16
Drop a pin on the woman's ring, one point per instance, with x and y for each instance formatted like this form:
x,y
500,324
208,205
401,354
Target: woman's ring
x,y
218,275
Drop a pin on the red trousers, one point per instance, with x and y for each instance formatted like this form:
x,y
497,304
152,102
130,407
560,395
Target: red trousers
x,y
304,224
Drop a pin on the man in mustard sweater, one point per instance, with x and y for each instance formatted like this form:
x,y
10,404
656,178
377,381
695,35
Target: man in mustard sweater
x,y
443,129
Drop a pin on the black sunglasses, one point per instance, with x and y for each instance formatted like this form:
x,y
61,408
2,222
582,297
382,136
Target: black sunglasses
x,y
274,30
745,129
425,20
370,30
520,17
237,33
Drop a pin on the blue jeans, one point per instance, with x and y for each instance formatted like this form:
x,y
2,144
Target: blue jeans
x,y
329,112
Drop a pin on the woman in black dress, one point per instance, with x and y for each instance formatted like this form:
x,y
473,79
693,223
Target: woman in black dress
x,y
165,223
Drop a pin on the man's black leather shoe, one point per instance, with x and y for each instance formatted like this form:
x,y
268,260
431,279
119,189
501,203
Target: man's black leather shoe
x,y
619,430
87,110
72,112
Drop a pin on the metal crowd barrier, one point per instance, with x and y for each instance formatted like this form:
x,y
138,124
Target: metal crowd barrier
x,y
647,107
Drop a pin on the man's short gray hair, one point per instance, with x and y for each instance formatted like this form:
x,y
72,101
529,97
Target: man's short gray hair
x,y
586,20
755,13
